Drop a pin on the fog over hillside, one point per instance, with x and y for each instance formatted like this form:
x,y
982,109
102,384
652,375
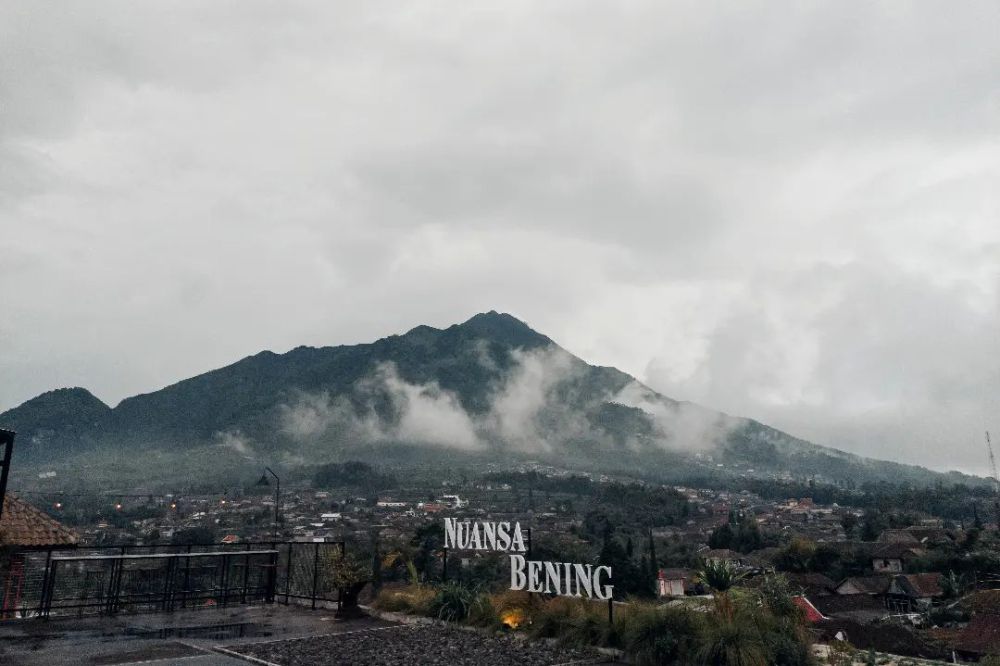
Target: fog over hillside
x,y
787,213
488,389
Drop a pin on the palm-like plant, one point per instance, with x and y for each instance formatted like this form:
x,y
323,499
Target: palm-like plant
x,y
719,575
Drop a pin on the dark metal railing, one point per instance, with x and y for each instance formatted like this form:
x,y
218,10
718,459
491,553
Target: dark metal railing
x,y
115,579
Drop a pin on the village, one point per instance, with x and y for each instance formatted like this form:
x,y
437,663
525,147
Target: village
x,y
929,589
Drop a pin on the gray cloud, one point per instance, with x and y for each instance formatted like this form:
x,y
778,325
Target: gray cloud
x,y
786,212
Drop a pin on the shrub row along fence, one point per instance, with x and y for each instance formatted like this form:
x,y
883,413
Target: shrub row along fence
x,y
135,579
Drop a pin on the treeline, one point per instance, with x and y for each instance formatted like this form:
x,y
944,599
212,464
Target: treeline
x,y
957,502
354,474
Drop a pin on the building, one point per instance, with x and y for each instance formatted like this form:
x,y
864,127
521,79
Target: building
x,y
674,582
24,528
980,637
892,557
914,592
870,585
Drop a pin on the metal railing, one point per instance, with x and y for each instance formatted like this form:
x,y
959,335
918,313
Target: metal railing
x,y
134,579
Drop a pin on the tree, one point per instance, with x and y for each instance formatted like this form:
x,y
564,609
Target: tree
x,y
872,525
428,540
797,556
849,522
721,537
199,536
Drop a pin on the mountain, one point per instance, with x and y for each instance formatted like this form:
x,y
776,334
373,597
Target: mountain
x,y
61,419
488,390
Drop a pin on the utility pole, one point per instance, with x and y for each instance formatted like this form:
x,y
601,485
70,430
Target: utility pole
x,y
7,441
993,463
277,493
996,479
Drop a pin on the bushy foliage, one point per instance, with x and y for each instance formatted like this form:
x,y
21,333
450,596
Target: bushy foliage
x,y
415,599
750,628
740,533
652,634
342,570
452,602
719,575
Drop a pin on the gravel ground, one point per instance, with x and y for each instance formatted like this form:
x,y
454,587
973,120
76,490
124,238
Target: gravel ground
x,y
413,644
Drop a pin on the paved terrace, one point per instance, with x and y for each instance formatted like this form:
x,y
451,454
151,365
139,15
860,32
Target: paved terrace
x,y
272,636
184,638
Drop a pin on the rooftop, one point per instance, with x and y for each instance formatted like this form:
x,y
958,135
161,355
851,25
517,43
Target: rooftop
x,y
26,526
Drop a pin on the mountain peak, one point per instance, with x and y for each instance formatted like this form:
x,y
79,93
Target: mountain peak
x,y
503,327
68,412
62,398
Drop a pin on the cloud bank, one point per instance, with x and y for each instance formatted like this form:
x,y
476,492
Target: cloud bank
x,y
787,213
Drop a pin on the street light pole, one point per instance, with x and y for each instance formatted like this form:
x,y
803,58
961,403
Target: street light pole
x,y
277,493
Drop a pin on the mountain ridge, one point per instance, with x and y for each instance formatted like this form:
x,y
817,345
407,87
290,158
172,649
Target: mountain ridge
x,y
490,385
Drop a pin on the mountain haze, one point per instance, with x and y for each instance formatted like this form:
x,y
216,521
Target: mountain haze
x,y
490,389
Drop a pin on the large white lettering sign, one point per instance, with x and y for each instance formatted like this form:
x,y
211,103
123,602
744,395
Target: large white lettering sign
x,y
561,578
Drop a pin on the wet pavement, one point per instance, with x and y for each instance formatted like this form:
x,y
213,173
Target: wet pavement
x,y
183,638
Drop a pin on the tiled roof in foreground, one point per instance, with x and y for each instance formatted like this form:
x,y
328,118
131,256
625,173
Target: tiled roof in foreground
x,y
26,526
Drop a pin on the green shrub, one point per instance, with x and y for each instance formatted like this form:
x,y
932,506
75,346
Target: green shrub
x,y
657,635
732,642
483,612
410,599
452,602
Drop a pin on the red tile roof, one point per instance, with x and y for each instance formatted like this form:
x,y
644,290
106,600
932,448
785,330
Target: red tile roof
x,y
811,612
922,585
24,525
981,635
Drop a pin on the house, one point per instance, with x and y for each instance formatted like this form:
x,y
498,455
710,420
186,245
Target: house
x,y
739,560
24,528
230,538
812,614
980,637
981,601
870,585
899,536
891,557
861,608
674,582
914,592
933,536
811,584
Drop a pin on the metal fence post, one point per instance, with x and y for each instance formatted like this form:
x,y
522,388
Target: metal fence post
x,y
187,578
225,579
246,576
272,576
47,599
288,570
343,556
45,582
315,574
168,584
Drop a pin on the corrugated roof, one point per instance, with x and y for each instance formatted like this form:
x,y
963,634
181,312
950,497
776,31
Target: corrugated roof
x,y
24,525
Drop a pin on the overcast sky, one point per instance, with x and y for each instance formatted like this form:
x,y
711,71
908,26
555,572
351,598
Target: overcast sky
x,y
787,211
